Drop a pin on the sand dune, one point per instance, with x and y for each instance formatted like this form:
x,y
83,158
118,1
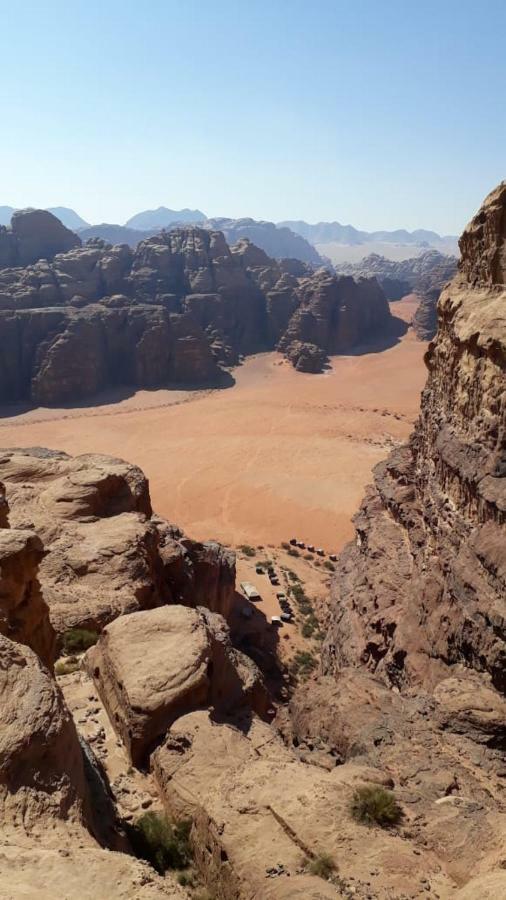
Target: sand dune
x,y
279,452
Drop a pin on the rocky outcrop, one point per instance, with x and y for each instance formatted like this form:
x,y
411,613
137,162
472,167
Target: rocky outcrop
x,y
260,815
34,234
423,586
425,275
24,615
179,309
428,272
335,314
150,668
105,553
41,762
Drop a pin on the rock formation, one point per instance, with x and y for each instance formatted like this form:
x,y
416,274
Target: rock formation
x,y
34,234
23,612
105,554
152,667
179,309
415,650
425,275
435,516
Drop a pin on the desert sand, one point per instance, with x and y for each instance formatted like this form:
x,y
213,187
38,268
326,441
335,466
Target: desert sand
x,y
280,453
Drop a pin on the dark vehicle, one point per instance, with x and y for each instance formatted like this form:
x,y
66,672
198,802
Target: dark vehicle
x,y
293,542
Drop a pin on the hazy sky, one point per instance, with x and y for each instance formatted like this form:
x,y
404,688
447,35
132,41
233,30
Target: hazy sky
x,y
383,114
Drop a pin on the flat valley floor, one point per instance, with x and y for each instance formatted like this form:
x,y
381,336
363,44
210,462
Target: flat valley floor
x,y
278,454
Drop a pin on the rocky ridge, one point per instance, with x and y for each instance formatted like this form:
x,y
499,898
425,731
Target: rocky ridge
x,y
425,275
179,309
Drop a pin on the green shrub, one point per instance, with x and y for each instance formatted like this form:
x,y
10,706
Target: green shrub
x,y
307,630
247,550
66,666
285,545
322,866
293,551
292,575
304,662
374,805
160,842
297,591
329,565
309,556
77,640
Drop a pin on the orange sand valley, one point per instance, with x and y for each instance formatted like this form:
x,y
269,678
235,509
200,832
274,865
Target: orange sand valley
x,y
279,454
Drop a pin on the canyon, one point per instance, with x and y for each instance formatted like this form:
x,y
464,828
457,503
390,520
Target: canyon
x,y
187,706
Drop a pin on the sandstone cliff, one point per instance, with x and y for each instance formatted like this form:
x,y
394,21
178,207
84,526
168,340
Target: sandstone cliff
x,y
423,586
179,309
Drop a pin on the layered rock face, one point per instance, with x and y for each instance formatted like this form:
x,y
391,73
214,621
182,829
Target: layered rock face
x,y
105,553
423,586
178,309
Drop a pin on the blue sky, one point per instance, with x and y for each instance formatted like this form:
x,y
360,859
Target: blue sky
x,y
383,114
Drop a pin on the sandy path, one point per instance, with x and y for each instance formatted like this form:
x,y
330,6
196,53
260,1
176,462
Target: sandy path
x,y
280,452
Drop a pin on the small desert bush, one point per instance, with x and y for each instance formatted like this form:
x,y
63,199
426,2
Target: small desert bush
x,y
374,805
160,842
66,666
292,551
77,640
247,550
297,591
322,866
309,557
303,662
292,575
307,630
285,545
329,565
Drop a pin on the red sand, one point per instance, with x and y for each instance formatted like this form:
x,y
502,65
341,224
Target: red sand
x,y
279,453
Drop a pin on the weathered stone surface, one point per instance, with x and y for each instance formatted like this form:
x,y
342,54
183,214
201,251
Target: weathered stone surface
x,y
106,554
79,874
256,807
24,615
177,310
423,586
41,765
150,668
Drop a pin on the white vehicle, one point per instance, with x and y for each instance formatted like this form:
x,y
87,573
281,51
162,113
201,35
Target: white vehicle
x,y
276,620
249,590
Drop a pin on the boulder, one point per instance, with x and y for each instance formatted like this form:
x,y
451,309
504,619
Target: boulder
x,y
152,667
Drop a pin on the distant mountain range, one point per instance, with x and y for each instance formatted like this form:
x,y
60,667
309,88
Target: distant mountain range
x,y
327,232
314,244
